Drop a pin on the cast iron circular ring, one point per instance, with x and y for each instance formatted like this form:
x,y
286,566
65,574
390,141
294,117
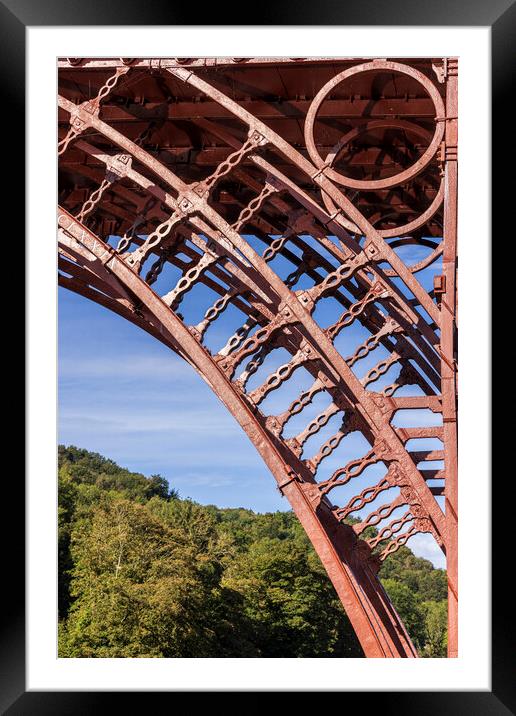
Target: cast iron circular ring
x,y
397,230
374,124
417,167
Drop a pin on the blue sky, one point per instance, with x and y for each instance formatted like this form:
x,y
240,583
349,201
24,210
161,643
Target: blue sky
x,y
126,396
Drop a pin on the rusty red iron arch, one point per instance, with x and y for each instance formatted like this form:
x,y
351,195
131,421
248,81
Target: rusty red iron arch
x,y
185,182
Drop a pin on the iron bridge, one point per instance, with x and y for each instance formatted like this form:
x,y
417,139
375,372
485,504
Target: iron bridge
x,y
315,198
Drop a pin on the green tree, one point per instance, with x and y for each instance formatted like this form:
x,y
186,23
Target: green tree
x,y
145,573
418,574
409,609
88,468
291,605
66,507
136,589
436,624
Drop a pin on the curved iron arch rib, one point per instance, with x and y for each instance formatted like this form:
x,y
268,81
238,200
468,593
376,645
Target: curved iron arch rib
x,y
174,222
380,630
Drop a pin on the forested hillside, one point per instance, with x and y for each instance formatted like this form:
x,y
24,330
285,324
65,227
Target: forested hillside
x,y
143,573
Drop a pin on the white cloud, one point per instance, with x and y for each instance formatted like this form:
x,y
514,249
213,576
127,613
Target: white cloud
x,y
188,422
424,545
133,366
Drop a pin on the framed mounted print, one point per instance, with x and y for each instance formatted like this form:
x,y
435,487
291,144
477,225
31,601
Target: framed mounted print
x,y
268,433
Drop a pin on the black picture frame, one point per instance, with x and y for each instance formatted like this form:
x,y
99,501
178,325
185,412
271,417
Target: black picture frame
x,y
500,16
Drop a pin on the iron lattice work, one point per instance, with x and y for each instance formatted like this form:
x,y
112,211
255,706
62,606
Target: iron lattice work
x,y
221,172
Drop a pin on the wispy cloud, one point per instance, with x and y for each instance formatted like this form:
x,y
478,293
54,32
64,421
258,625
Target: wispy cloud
x,y
425,546
206,478
128,366
187,421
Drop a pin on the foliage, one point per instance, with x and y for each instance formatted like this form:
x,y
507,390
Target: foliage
x,y
292,605
143,573
409,609
85,467
436,623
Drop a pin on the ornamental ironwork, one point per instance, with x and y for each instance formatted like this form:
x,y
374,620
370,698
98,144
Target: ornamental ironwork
x,y
286,186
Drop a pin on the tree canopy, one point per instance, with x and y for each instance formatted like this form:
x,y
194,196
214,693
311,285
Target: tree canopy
x,y
143,573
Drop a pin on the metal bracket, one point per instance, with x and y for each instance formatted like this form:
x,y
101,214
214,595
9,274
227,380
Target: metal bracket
x,y
292,477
